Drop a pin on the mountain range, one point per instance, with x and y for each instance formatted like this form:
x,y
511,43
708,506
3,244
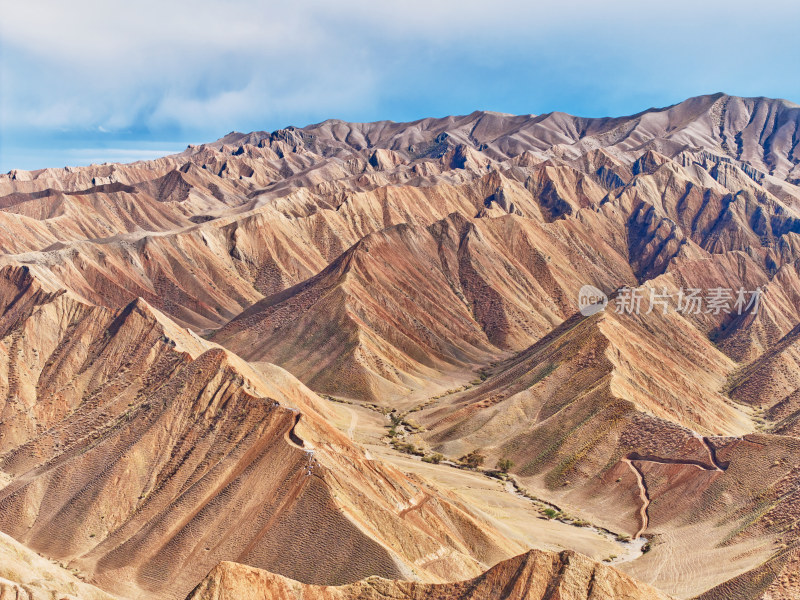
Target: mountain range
x,y
279,365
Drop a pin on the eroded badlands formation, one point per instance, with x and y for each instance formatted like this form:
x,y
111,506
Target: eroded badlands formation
x,y
177,336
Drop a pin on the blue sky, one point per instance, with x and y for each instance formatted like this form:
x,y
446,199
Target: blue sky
x,y
94,81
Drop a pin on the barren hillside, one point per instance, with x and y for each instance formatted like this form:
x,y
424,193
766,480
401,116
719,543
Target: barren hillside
x,y
180,337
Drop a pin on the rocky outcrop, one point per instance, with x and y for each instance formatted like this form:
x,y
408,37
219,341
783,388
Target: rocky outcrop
x,y
534,575
24,575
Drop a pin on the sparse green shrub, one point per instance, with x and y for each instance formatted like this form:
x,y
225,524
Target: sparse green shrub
x,y
580,523
413,425
504,465
473,460
407,448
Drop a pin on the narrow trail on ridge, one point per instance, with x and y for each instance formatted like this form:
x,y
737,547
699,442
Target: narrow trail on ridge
x,y
712,454
645,497
644,494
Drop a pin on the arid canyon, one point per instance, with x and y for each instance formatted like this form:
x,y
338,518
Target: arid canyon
x,y
354,361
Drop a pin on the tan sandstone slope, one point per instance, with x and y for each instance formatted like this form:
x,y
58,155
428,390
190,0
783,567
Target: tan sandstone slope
x,y
24,574
157,320
144,456
535,575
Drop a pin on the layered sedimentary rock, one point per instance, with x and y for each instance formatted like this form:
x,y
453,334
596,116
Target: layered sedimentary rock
x,y
534,575
144,455
157,319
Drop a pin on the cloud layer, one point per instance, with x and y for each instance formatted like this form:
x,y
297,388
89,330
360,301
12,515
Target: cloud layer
x,y
95,74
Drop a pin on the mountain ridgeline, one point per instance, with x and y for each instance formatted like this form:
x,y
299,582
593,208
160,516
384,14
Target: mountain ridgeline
x,y
180,339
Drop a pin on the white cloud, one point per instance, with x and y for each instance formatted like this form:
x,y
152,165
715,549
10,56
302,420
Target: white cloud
x,y
201,67
117,65
87,156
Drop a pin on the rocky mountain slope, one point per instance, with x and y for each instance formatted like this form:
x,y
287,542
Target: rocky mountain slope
x,y
24,574
157,320
143,455
534,575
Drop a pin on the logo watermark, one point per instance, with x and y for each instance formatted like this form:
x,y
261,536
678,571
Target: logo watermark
x,y
591,300
687,301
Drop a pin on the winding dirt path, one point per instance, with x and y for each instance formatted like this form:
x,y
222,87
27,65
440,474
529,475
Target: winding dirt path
x,y
351,430
712,454
291,437
644,493
645,497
